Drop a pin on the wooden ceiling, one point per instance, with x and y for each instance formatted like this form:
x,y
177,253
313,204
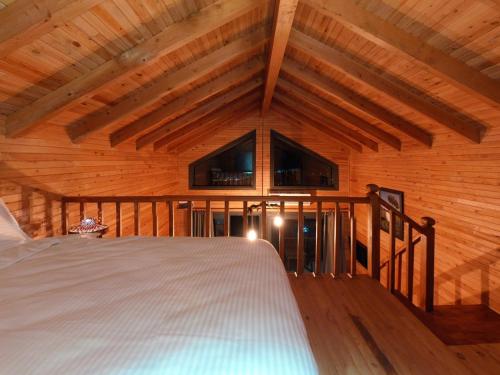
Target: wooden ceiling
x,y
156,72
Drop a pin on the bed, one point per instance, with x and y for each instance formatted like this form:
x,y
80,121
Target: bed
x,y
142,305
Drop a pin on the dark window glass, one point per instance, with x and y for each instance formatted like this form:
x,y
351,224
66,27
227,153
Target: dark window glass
x,y
296,166
230,167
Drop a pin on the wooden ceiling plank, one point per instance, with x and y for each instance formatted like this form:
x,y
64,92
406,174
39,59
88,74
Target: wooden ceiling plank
x,y
392,87
189,101
389,36
24,21
325,106
298,118
284,13
198,113
215,129
311,113
208,126
170,39
166,84
325,85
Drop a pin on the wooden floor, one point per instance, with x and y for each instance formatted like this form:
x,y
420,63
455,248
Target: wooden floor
x,y
356,327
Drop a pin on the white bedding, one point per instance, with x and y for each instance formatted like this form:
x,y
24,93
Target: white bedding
x,y
151,306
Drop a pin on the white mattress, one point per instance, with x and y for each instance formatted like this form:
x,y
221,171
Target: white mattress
x,y
151,306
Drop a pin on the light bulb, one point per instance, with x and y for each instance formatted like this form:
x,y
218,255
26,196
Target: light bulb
x,y
252,235
278,221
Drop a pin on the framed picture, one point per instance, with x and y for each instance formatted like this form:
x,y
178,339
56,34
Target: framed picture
x,y
394,198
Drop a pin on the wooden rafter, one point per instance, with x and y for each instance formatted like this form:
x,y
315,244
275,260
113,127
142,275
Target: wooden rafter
x,y
283,19
199,112
189,101
308,111
325,85
391,86
167,84
24,21
297,118
337,113
208,126
388,35
170,39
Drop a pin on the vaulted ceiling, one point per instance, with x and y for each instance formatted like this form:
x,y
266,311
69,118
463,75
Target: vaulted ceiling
x,y
154,72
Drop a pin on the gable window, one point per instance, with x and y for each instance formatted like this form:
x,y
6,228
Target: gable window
x,y
294,166
230,167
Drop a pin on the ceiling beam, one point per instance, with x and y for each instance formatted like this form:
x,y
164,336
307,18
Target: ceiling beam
x,y
209,126
331,88
306,110
390,86
296,117
199,112
389,36
188,101
24,21
166,84
337,113
284,12
170,39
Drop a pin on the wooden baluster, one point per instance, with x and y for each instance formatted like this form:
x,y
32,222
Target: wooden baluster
x,y
392,251
154,213
400,267
99,212
388,276
137,224
118,219
300,239
64,217
171,219
245,218
82,211
410,250
263,221
373,232
189,225
427,265
319,238
208,233
352,220
337,236
226,219
281,230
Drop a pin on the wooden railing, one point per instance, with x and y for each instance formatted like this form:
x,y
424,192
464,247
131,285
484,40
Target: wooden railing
x,y
426,233
319,205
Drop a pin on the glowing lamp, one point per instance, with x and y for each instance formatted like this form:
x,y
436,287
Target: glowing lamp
x,y
278,221
252,235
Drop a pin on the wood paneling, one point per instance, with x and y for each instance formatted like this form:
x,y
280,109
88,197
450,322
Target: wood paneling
x,y
459,186
309,137
34,173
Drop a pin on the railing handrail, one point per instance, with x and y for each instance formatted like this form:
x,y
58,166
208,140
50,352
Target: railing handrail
x,y
214,198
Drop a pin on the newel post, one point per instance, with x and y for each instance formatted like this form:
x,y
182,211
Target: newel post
x,y
373,232
427,265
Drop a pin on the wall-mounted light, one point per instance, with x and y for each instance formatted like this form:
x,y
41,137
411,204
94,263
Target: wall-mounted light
x,y
278,221
252,235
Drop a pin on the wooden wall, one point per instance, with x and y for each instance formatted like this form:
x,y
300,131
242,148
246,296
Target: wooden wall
x,y
35,172
458,184
308,137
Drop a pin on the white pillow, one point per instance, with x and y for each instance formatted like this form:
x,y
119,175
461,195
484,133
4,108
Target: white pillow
x,y
10,232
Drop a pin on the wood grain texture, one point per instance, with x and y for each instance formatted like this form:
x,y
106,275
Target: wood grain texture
x,y
284,12
379,335
459,186
390,36
35,173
